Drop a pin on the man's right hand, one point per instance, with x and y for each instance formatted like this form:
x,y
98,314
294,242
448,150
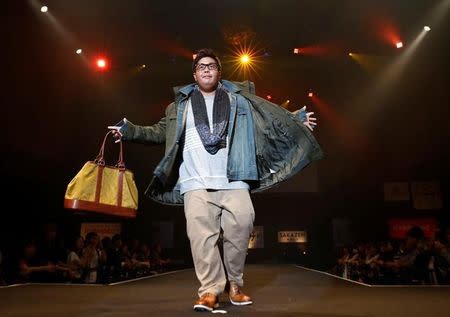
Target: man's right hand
x,y
116,129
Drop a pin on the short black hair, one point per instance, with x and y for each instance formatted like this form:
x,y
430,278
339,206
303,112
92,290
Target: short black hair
x,y
205,52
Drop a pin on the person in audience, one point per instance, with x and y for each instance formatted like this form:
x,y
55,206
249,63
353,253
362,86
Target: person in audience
x,y
441,259
157,256
113,255
92,256
407,265
74,262
31,269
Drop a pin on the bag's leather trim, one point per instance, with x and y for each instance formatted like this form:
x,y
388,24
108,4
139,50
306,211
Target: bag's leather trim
x,y
98,187
120,188
100,208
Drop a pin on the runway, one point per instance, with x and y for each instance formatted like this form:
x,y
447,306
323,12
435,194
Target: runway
x,y
277,290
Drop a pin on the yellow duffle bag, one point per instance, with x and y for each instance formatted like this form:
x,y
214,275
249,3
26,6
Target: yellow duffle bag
x,y
103,189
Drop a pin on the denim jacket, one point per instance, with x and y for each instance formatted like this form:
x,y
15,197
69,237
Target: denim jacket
x,y
268,144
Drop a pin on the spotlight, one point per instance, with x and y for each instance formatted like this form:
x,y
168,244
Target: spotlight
x,y
296,51
101,63
143,65
427,28
350,54
79,51
194,56
399,44
310,94
269,97
245,59
44,9
285,104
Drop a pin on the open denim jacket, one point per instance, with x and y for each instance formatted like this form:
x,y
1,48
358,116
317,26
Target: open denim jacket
x,y
268,144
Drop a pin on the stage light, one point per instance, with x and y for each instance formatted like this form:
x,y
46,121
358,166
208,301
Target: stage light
x,y
44,9
350,54
101,63
285,104
427,28
194,56
269,97
245,59
143,65
79,51
296,51
310,94
399,44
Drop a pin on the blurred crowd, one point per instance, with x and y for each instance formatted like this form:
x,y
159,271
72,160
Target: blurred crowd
x,y
414,260
84,260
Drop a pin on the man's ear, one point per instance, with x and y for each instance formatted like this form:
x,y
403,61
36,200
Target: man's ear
x,y
195,77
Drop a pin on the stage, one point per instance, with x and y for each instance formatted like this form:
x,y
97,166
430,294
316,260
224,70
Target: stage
x,y
277,290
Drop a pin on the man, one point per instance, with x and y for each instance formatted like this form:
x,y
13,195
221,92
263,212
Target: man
x,y
221,142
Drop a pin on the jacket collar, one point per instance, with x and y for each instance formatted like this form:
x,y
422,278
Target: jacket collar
x,y
181,92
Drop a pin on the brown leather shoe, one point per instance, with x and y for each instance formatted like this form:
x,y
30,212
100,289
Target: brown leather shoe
x,y
237,297
207,302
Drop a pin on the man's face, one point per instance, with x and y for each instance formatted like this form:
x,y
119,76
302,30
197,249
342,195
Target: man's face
x,y
207,78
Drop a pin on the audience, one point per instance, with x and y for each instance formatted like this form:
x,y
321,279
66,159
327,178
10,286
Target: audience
x,y
413,260
416,260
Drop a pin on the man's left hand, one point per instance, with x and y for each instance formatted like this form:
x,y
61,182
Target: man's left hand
x,y
310,121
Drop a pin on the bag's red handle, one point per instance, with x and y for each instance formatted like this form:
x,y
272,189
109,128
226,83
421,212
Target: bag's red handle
x,y
100,159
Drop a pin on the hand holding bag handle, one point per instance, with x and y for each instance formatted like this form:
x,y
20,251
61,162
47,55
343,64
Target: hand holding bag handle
x,y
100,159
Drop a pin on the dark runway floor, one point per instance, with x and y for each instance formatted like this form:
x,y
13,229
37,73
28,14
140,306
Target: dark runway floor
x,y
277,290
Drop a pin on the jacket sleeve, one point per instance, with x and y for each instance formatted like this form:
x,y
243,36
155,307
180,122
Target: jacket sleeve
x,y
154,134
144,134
300,114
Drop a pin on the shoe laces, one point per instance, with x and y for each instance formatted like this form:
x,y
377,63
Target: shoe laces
x,y
234,288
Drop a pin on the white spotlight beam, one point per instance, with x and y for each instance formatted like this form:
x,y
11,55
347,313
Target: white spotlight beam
x,y
371,101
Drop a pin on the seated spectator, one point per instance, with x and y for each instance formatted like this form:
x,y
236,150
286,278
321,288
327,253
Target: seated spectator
x,y
411,266
31,268
74,262
158,258
441,260
142,258
92,256
345,256
113,255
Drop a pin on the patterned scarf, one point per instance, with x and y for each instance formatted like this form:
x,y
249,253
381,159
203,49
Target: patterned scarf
x,y
221,115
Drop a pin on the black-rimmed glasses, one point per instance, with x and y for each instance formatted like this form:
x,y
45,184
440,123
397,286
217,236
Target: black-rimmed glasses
x,y
210,66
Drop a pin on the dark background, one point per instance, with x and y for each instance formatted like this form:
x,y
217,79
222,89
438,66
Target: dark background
x,y
56,106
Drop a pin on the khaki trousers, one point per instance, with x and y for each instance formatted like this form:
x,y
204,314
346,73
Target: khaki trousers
x,y
207,212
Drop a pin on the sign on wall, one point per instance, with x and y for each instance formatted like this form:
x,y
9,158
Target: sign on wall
x,y
398,227
292,236
256,238
103,229
398,191
426,195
